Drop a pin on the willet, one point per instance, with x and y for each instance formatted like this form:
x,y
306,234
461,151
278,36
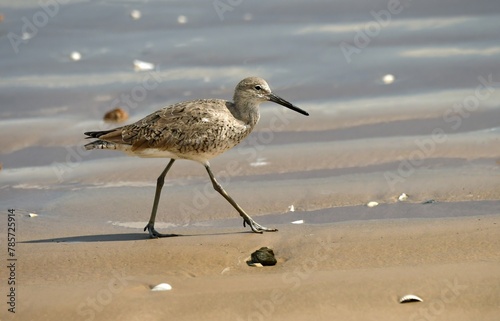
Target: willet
x,y
196,130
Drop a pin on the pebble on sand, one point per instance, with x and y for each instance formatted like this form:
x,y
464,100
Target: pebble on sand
x,y
264,256
403,197
372,204
116,115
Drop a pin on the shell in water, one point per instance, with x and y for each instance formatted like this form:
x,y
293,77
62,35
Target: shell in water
x,y
143,65
410,298
403,197
162,287
135,14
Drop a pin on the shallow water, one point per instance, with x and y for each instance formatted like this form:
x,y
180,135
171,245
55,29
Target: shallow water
x,y
433,132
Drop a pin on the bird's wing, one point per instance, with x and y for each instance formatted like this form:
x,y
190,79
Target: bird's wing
x,y
184,125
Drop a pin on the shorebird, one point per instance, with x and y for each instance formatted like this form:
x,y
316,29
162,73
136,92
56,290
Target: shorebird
x,y
195,130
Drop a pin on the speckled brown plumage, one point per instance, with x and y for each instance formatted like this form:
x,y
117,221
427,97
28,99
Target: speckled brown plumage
x,y
196,130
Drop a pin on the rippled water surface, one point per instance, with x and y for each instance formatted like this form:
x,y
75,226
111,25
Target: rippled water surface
x,y
402,99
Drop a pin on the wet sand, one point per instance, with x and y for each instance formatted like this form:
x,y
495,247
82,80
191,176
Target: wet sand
x,y
431,132
352,270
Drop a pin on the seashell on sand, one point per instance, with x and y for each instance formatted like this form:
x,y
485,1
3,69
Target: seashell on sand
x,y
410,298
372,204
298,222
162,287
116,115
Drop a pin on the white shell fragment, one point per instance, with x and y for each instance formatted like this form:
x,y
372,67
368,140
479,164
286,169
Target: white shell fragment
x,y
32,215
75,56
135,14
403,197
143,65
162,287
255,264
372,204
27,36
410,298
298,222
291,208
388,79
259,162
225,270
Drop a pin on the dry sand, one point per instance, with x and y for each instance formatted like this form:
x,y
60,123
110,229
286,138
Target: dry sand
x,y
343,271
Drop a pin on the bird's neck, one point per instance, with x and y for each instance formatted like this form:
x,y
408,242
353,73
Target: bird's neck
x,y
246,112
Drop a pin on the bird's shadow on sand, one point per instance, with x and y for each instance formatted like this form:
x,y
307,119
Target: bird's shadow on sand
x,y
117,237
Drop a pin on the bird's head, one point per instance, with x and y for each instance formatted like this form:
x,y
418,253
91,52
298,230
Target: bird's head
x,y
255,89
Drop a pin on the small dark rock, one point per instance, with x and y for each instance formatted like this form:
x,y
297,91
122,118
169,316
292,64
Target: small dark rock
x,y
429,202
264,256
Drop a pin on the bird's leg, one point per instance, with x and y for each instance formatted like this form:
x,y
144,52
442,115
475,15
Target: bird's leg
x,y
151,224
257,228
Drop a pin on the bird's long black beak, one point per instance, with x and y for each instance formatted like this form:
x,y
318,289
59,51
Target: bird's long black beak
x,y
282,102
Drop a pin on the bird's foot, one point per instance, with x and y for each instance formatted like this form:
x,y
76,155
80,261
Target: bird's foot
x,y
155,234
256,227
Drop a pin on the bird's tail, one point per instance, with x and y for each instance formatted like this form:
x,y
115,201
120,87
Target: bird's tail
x,y
98,134
99,144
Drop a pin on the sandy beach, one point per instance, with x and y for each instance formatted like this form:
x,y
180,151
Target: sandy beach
x,y
402,100
345,271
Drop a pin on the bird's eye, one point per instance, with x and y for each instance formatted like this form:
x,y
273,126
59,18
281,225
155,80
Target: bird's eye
x,y
258,87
